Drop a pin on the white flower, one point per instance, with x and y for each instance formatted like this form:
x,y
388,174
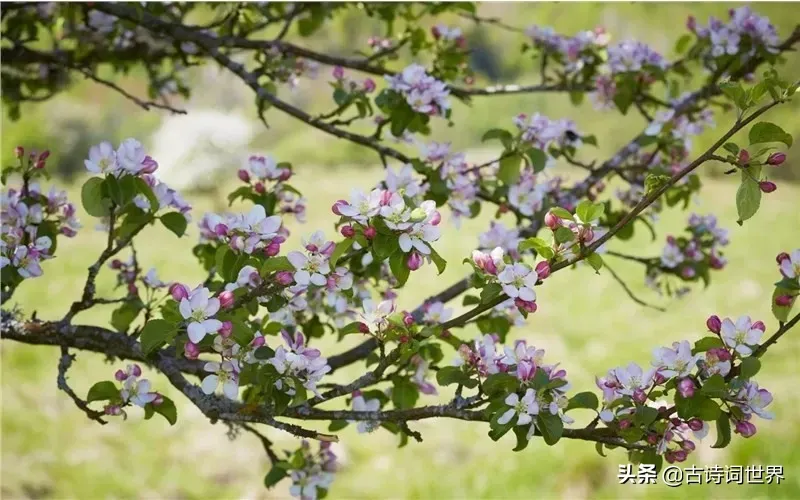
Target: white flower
x,y
137,392
151,279
199,309
672,256
221,373
791,267
102,159
361,206
361,404
518,280
311,269
131,155
525,408
676,362
376,317
740,336
404,179
632,377
436,313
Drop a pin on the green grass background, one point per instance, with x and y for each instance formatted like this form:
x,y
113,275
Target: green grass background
x,y
49,449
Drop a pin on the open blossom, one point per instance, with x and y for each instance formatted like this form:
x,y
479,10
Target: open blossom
x,y
518,281
481,354
420,373
137,391
361,404
632,378
436,313
677,361
300,362
751,399
671,256
376,317
199,308
310,269
422,92
102,159
131,156
361,206
525,408
740,335
790,266
499,236
403,179
422,233
221,373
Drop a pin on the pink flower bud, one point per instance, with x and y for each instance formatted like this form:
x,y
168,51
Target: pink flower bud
x,y
117,264
745,429
695,424
688,446
363,328
68,231
347,231
226,329
783,300
312,248
767,186
226,299
260,189
587,234
720,353
273,249
335,207
686,387
414,261
714,324
435,32
652,438
221,230
370,232
676,421
679,455
191,351
369,85
436,218
639,395
258,341
781,257
285,175
159,399
759,325
776,159
624,424
44,155
114,410
338,72
688,273
408,319
149,165
659,379
543,269
39,165
284,278
744,157
136,370
19,152
132,289
120,375
178,291
244,175
691,23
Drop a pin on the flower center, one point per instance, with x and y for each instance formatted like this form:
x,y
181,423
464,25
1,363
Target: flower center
x,y
198,315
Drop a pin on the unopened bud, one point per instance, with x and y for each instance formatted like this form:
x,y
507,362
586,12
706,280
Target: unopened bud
x,y
120,375
776,159
178,291
363,328
159,399
136,370
781,257
714,324
273,249
408,319
226,329
767,186
543,269
686,387
691,23
284,278
624,424
688,446
191,350
414,261
335,207
226,299
338,72
695,424
370,232
285,175
745,429
149,165
639,395
759,325
19,152
117,264
347,231
744,157
369,85
258,341
783,300
244,175
259,187
436,218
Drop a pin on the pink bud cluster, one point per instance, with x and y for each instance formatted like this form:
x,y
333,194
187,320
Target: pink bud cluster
x,y
266,176
349,85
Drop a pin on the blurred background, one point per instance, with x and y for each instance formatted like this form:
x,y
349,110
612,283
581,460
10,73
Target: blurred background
x,y
585,321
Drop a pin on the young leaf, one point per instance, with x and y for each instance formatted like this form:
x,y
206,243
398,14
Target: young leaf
x,y
440,263
586,400
92,198
340,249
275,474
155,333
175,222
404,394
749,367
723,431
397,263
769,132
595,260
102,391
550,426
275,264
509,169
167,410
748,196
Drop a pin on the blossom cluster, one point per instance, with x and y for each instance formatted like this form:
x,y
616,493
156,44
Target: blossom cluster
x,y
424,93
575,52
264,175
789,287
516,279
134,391
745,29
32,220
461,180
688,371
315,476
542,132
128,272
249,233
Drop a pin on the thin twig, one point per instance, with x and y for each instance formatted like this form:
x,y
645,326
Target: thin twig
x,y
630,293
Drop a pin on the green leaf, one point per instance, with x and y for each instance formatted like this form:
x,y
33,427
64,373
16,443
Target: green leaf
x,y
563,235
731,148
397,263
586,400
341,248
510,169
595,260
175,222
450,375
781,313
504,136
706,343
723,431
92,198
123,316
500,383
167,410
404,393
275,474
115,190
102,391
489,292
440,263
735,92
769,132
155,333
707,410
683,43
384,245
749,367
521,432
714,386
354,327
551,427
562,213
537,158
275,264
539,245
748,196
645,415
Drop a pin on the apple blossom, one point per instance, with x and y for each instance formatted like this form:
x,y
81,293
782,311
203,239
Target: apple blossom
x,y
361,404
223,373
524,409
677,361
740,336
199,308
518,281
790,265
